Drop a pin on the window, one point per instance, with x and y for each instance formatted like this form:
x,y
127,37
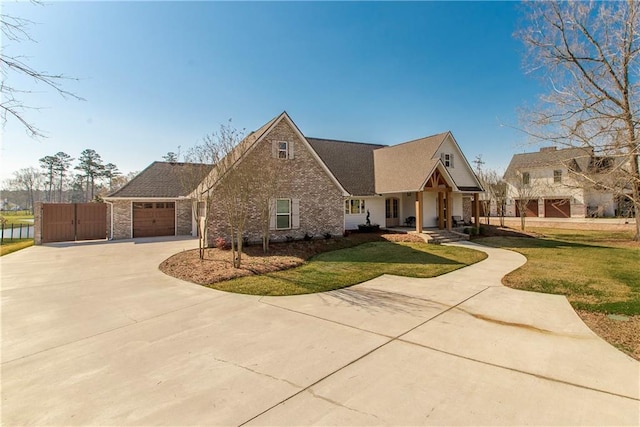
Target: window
x,y
283,214
283,149
526,178
354,207
447,159
557,176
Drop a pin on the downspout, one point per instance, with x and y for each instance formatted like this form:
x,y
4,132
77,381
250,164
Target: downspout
x,y
111,219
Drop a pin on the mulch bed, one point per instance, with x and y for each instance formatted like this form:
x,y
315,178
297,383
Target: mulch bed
x,y
623,334
217,263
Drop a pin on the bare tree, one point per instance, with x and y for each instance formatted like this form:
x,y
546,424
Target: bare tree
x,y
495,193
588,53
16,29
110,171
221,150
523,190
29,180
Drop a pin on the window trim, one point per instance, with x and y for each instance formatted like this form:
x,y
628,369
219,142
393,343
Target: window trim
x,y
288,214
557,176
526,178
362,209
283,153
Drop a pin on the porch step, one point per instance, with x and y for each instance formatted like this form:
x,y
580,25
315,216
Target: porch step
x,y
436,237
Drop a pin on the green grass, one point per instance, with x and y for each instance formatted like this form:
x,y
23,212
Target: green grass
x,y
13,245
346,267
597,271
18,217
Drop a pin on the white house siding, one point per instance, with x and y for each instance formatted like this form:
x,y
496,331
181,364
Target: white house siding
x,y
600,204
461,171
376,207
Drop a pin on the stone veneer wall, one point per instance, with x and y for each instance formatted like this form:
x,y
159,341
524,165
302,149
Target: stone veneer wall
x,y
183,217
467,209
37,223
121,219
321,201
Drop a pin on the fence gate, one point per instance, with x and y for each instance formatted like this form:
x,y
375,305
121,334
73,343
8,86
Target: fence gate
x,y
62,222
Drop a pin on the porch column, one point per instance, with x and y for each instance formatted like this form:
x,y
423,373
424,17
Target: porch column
x,y
419,198
476,203
449,209
440,210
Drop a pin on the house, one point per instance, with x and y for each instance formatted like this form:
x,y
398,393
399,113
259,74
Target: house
x,y
328,186
156,202
550,181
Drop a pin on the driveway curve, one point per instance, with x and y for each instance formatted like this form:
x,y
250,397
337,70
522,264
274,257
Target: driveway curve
x,y
93,333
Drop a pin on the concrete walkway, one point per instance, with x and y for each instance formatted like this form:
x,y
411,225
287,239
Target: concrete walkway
x,y
94,334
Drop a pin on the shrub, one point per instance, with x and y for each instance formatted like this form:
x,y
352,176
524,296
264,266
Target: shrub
x,y
307,237
222,244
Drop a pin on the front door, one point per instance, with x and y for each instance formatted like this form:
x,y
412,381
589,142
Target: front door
x,y
391,212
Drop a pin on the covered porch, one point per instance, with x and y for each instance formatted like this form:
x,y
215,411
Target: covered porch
x,y
438,204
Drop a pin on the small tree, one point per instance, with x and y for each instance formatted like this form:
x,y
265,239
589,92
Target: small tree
x,y
524,191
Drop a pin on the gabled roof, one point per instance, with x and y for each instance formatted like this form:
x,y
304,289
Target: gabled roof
x,y
247,144
164,180
350,162
405,167
577,159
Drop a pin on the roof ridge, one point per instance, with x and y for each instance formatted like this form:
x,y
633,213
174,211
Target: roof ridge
x,y
343,141
419,139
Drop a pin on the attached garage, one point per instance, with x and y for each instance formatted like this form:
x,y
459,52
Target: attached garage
x,y
557,208
157,202
154,219
531,209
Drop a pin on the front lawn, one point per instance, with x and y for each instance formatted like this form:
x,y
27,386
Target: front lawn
x,y
302,267
594,275
346,267
598,272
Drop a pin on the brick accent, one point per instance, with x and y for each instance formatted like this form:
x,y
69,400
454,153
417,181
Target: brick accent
x,y
121,219
37,223
467,209
183,217
321,201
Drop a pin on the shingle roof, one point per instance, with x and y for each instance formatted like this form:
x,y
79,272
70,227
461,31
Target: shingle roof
x,y
163,179
576,158
405,167
350,162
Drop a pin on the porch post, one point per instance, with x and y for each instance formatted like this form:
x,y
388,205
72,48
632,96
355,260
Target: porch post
x,y
419,198
476,203
449,209
440,210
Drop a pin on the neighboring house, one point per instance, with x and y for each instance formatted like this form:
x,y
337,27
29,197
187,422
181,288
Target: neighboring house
x,y
156,202
550,180
328,186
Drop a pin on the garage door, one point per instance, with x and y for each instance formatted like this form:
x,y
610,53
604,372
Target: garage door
x,y
154,219
530,210
557,208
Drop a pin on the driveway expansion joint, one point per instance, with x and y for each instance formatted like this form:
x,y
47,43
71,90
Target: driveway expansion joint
x,y
357,359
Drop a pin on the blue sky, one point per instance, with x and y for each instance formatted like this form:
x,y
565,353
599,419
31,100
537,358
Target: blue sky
x,y
158,75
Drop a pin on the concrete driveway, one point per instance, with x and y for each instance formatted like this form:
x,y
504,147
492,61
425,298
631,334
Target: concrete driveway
x,y
94,334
